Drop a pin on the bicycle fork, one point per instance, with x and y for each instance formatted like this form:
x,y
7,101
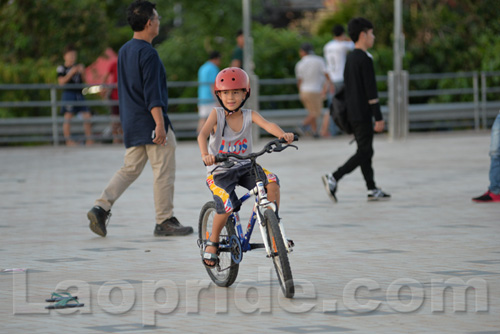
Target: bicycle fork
x,y
261,205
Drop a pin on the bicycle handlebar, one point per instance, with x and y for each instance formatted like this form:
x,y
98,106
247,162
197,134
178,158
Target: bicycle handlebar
x,y
272,146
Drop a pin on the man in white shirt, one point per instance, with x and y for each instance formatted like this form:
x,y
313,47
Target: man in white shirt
x,y
335,52
312,82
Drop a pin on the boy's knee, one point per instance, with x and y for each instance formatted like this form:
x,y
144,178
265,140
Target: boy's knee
x,y
272,185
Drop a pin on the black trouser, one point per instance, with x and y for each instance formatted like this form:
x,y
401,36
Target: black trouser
x,y
363,133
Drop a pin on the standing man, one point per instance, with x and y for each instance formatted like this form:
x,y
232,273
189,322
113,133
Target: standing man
x,y
362,106
206,79
312,83
148,134
335,53
237,56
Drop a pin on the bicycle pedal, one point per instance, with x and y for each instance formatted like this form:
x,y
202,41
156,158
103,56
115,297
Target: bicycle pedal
x,y
290,243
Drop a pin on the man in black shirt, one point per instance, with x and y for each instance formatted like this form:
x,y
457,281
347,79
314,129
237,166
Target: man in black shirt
x,y
362,105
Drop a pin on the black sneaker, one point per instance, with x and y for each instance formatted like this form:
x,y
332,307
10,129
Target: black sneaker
x,y
330,186
99,218
172,226
377,195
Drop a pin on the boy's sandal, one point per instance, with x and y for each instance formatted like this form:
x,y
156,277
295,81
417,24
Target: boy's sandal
x,y
55,297
65,303
210,256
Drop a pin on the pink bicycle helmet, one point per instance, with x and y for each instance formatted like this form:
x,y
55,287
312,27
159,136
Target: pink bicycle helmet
x,y
232,78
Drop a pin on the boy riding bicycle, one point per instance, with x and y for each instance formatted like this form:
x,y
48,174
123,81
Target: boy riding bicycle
x,y
229,130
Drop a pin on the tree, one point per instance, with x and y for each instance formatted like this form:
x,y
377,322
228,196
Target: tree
x,y
41,29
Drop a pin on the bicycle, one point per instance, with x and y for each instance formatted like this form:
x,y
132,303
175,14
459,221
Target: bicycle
x,y
234,242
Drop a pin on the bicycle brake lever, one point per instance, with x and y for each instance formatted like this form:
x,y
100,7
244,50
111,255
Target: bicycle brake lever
x,y
282,148
228,164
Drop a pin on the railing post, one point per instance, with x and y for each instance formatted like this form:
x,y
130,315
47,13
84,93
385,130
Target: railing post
x,y
398,105
53,108
484,89
475,88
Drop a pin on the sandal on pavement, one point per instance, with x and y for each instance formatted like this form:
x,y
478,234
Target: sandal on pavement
x,y
65,303
210,256
55,297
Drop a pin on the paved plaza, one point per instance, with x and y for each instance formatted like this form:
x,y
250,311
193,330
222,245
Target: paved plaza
x,y
427,261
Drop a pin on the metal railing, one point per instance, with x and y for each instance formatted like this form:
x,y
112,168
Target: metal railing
x,y
477,113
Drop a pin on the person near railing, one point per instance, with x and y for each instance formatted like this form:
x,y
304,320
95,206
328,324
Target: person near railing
x,y
72,73
237,55
335,53
493,193
147,130
312,82
111,77
206,79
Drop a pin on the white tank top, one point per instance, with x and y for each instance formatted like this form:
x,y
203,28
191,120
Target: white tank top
x,y
233,142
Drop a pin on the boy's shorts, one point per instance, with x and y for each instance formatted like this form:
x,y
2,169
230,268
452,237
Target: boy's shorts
x,y
222,185
69,95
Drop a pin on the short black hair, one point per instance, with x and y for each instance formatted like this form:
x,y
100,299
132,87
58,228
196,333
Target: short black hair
x,y
69,48
338,30
356,26
239,32
307,47
214,55
139,13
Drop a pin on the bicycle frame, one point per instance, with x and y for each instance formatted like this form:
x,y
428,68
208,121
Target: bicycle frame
x,y
260,205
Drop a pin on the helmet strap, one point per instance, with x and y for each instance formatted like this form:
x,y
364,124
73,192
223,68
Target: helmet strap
x,y
229,112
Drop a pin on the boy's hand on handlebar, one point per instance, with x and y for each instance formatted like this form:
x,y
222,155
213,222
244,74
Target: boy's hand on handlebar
x,y
208,159
288,136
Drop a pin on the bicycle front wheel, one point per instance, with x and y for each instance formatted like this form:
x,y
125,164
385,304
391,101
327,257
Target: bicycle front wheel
x,y
224,273
279,253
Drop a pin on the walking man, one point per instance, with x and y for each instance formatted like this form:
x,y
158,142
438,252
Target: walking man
x,y
362,106
147,131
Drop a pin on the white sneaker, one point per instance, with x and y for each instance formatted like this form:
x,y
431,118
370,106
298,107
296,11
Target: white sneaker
x,y
330,186
377,195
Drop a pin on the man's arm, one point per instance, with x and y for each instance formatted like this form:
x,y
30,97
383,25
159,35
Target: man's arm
x,y
160,131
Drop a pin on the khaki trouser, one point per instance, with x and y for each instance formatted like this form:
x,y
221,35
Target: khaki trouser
x,y
313,102
162,160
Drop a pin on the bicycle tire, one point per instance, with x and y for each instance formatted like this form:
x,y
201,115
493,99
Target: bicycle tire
x,y
223,278
279,253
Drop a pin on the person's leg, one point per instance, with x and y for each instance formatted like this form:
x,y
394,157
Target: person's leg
x,y
218,224
162,159
222,187
67,129
366,146
364,152
325,125
313,103
306,123
87,127
495,157
134,162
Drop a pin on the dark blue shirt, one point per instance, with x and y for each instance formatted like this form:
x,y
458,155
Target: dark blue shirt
x,y
142,85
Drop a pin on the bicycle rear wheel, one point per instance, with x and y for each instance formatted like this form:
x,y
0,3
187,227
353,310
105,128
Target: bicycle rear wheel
x,y
225,272
279,253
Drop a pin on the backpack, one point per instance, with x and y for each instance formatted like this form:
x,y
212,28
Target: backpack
x,y
338,111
